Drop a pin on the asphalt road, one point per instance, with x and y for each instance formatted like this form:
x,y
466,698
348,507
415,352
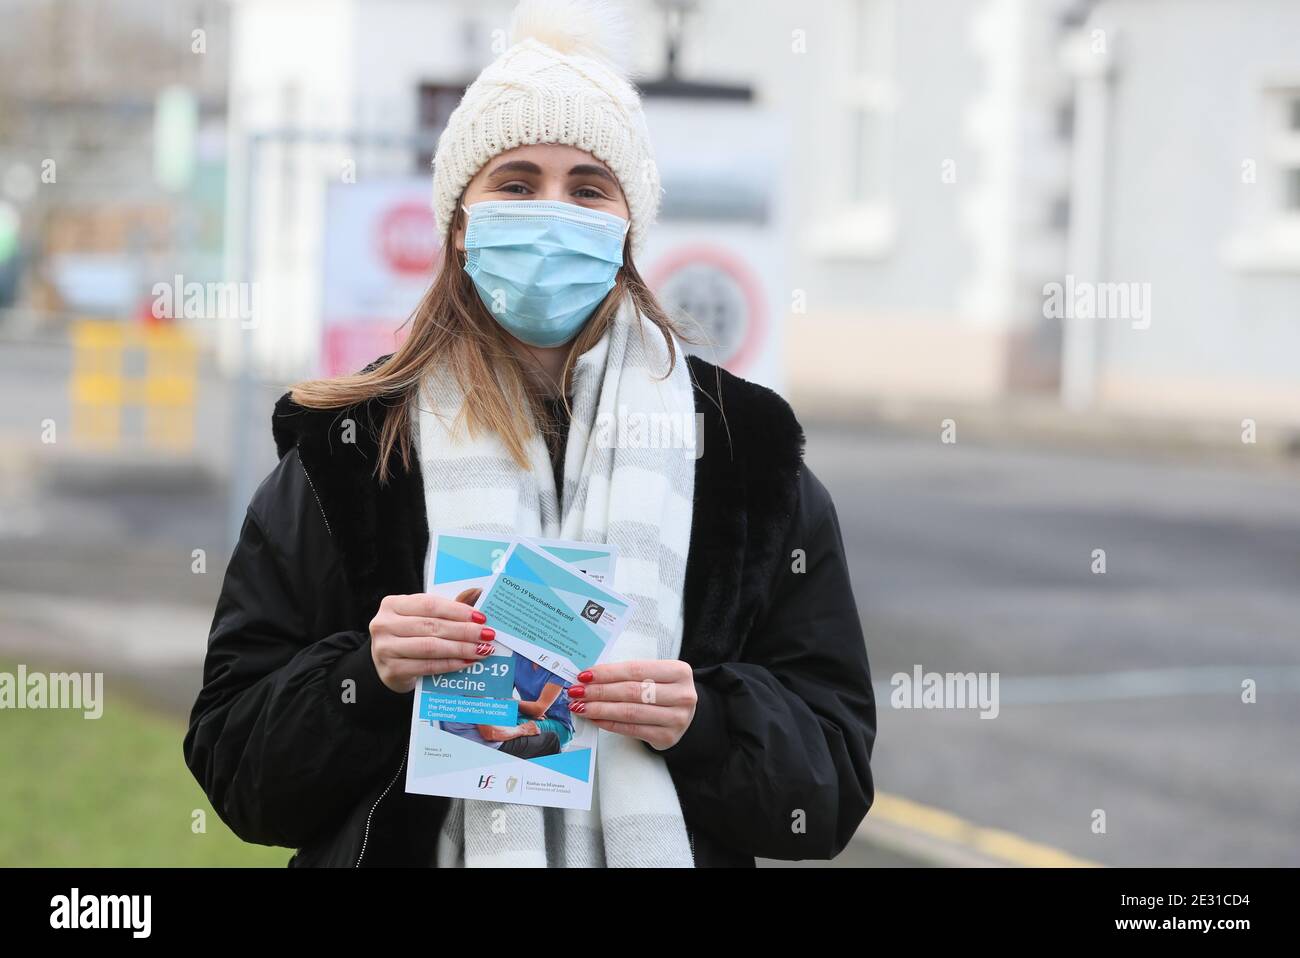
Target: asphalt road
x,y
1118,692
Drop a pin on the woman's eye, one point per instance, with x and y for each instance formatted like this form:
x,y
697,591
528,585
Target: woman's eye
x,y
513,188
587,193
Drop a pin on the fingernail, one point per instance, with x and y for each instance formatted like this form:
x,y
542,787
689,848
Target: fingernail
x,y
478,616
487,635
586,675
578,707
576,691
486,648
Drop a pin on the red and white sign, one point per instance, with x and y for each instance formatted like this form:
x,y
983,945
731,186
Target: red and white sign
x,y
718,291
717,257
381,246
407,236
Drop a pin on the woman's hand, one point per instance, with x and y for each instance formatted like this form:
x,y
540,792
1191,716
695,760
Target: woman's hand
x,y
653,700
415,635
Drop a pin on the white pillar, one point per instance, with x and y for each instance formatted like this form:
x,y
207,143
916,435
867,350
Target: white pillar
x,y
1089,57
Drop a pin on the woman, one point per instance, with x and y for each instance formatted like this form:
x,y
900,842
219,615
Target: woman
x,y
735,713
543,698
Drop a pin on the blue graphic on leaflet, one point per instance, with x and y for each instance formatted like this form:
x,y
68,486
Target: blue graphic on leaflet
x,y
523,564
576,763
493,677
546,583
597,562
464,557
460,708
482,693
574,556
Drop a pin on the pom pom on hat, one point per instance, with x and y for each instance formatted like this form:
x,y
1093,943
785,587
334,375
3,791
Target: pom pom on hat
x,y
559,82
578,27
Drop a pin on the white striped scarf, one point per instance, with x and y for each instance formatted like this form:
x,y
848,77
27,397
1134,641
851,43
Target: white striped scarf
x,y
622,489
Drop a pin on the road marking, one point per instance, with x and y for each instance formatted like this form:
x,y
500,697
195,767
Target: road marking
x,y
1136,684
1149,683
1005,847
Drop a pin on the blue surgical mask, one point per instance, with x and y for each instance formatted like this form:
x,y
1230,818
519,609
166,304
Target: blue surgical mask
x,y
542,267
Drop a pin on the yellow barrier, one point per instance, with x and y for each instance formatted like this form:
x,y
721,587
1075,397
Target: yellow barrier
x,y
101,389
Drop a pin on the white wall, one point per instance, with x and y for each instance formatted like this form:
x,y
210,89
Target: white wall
x,y
1187,113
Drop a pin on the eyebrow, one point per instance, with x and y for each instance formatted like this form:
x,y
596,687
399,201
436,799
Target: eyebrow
x,y
591,169
517,166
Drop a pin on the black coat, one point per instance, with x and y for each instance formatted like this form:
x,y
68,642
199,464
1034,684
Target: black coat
x,y
775,764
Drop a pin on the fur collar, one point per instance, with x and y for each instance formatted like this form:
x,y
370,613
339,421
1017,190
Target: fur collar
x,y
381,531
746,493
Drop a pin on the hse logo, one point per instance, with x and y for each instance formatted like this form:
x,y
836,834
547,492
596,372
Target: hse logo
x,y
485,781
593,611
103,911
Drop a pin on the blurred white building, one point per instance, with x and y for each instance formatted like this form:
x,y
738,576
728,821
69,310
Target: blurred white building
x,y
1202,201
944,163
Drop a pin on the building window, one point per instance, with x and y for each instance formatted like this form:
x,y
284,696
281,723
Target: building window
x,y
1285,150
857,221
1268,239
868,98
435,102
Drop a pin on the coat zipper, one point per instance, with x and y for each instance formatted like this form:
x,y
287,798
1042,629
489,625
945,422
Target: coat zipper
x,y
312,486
690,837
365,837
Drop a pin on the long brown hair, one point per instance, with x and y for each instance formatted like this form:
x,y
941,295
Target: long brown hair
x,y
452,327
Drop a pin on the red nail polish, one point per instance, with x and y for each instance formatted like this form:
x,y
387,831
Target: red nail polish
x,y
576,691
478,616
487,635
486,649
586,675
578,707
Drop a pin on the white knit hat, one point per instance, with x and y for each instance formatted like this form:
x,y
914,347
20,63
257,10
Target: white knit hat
x,y
557,83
